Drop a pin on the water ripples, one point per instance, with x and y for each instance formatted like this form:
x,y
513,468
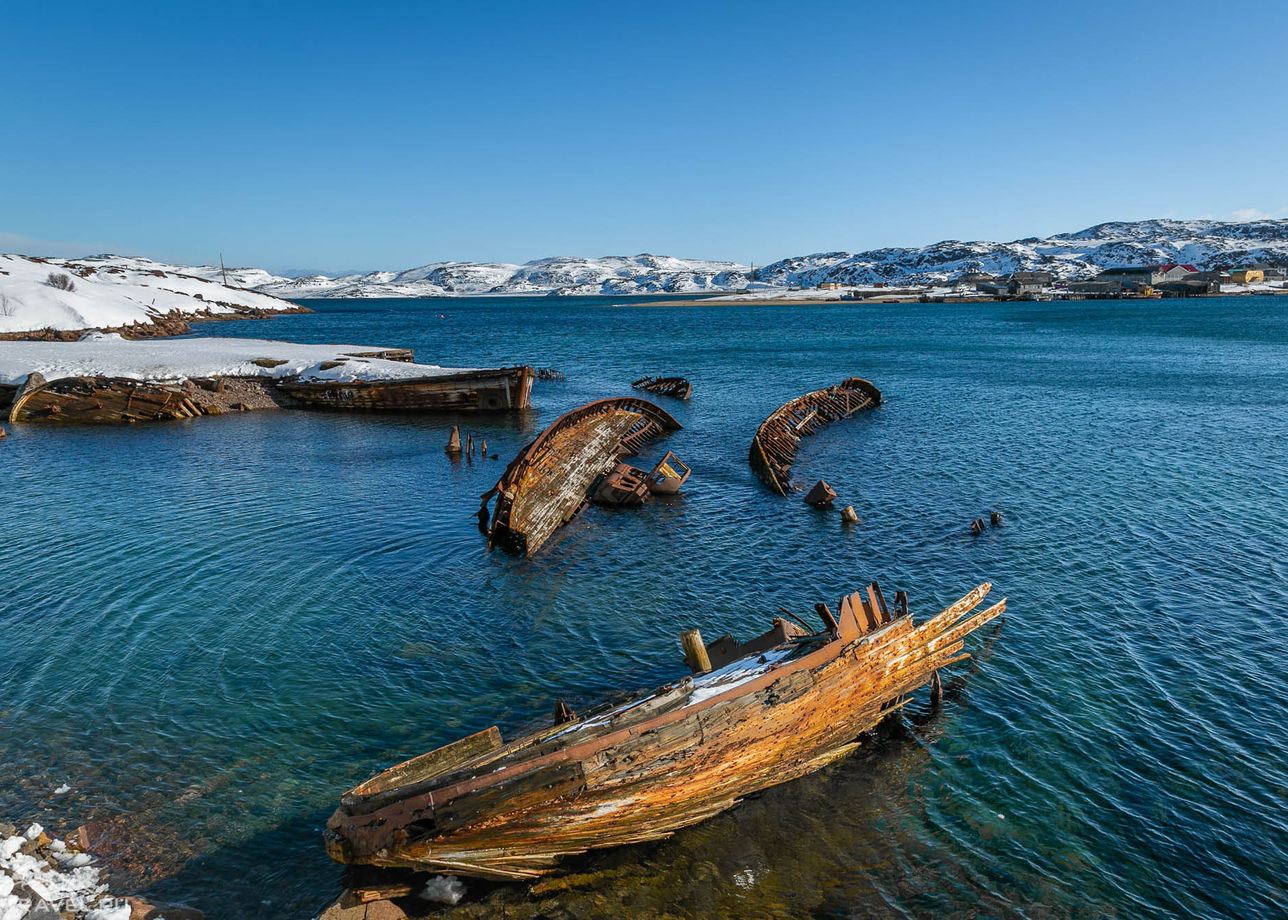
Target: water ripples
x,y
213,628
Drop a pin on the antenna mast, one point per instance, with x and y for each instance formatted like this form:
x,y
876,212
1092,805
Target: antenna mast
x,y
222,269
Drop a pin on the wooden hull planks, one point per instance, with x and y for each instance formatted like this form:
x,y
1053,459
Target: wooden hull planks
x,y
642,770
498,390
98,400
551,480
774,446
677,387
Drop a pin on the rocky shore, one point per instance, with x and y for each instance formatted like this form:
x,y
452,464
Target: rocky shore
x,y
45,878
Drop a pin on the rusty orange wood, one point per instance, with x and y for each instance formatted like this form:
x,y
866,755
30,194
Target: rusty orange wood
x,y
642,770
774,446
550,480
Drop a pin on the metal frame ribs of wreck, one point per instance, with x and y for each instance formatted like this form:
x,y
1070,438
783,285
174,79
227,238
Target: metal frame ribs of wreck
x,y
774,447
551,479
783,706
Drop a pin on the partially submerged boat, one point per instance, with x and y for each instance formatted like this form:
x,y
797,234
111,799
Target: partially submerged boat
x,y
677,387
774,447
106,378
99,400
555,477
501,389
753,715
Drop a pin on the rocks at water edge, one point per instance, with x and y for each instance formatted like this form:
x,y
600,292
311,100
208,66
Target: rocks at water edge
x,y
45,878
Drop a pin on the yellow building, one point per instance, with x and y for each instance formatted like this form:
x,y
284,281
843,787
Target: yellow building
x,y
1247,275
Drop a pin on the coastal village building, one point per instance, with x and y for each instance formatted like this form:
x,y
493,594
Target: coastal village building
x,y
1146,276
1021,283
1247,275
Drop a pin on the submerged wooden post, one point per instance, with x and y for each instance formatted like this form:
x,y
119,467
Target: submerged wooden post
x,y
695,652
469,445
849,515
454,442
995,518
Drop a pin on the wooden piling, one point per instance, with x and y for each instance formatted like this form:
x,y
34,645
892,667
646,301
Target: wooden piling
x,y
695,652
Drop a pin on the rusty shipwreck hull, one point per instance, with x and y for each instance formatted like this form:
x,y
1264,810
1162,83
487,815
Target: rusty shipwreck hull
x,y
551,479
500,389
774,447
678,387
773,709
99,400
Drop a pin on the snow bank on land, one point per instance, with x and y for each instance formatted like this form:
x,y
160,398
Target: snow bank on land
x,y
109,355
110,291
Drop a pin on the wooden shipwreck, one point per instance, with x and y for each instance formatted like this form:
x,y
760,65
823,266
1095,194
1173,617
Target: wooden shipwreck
x,y
555,477
500,389
99,400
774,447
666,386
754,715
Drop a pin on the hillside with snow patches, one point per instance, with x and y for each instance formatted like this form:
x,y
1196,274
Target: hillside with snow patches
x,y
1203,243
116,291
113,291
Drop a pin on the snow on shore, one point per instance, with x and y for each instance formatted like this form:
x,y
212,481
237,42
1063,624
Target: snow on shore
x,y
43,877
109,292
109,355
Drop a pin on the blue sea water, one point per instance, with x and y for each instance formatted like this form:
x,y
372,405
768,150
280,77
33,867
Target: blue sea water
x,y
210,629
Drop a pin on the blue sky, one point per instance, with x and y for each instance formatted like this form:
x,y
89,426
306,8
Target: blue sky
x,y
342,136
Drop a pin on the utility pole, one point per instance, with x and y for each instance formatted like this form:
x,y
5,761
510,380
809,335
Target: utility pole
x,y
222,269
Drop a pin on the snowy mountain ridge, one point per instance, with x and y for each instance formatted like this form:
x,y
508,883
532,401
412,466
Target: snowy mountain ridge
x,y
1082,254
145,288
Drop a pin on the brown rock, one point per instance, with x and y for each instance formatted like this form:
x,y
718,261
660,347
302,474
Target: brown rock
x,y
383,910
821,495
145,910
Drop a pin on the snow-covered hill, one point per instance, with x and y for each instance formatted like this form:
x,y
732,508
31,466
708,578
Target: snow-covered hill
x,y
108,292
642,274
113,291
1204,243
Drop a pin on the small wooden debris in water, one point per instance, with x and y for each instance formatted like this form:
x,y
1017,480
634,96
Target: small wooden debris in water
x,y
774,446
454,441
676,387
821,495
849,515
977,526
622,487
549,373
995,518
